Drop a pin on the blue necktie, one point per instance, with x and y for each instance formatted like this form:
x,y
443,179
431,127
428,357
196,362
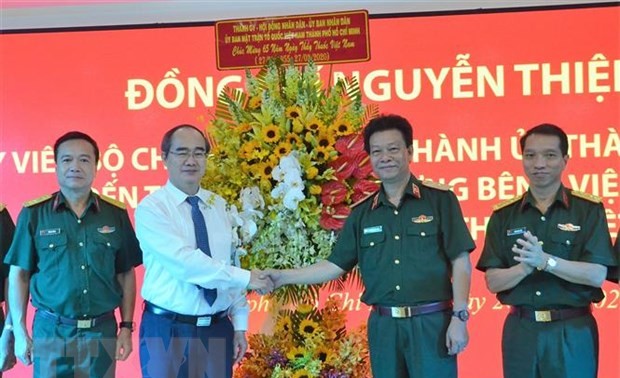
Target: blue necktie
x,y
202,241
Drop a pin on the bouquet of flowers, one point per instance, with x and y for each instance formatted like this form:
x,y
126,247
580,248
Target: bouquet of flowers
x,y
308,343
288,156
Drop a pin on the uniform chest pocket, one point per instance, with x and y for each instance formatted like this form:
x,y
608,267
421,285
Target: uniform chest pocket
x,y
565,245
423,236
50,250
372,240
101,258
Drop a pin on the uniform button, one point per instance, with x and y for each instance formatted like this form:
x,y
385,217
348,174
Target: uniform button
x,y
422,233
108,244
81,244
397,287
83,267
568,242
395,212
543,218
372,244
51,245
396,237
79,221
85,291
396,261
538,293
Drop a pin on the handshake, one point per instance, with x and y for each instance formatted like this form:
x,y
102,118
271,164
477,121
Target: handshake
x,y
265,281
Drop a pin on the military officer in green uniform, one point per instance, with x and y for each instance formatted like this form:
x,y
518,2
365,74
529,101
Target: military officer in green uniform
x,y
546,255
74,253
7,355
412,247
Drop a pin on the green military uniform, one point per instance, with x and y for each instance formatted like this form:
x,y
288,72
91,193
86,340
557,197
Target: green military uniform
x,y
573,228
404,254
73,262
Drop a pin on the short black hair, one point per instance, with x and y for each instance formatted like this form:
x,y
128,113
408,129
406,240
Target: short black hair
x,y
547,129
76,135
388,122
166,141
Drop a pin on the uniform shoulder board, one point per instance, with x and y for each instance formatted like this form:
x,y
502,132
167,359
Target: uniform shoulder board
x,y
2,206
112,201
37,201
435,185
586,196
507,202
366,197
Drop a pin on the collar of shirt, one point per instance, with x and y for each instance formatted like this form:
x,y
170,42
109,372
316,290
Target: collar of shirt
x,y
60,200
412,190
179,196
561,198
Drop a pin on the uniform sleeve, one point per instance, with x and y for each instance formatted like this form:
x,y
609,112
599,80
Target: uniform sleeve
x,y
597,247
23,250
130,254
456,237
490,256
613,272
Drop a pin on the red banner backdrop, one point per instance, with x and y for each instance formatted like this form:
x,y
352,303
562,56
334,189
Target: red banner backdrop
x,y
470,84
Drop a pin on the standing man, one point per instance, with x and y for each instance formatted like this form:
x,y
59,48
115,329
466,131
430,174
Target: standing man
x,y
7,354
412,247
74,251
195,310
546,255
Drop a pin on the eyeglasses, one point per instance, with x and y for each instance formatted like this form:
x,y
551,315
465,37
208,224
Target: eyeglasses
x,y
184,155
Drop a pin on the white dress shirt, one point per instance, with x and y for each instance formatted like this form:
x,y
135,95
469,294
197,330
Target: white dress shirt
x,y
175,268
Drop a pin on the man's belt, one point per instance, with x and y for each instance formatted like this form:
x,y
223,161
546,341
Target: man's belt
x,y
409,311
550,315
79,323
196,320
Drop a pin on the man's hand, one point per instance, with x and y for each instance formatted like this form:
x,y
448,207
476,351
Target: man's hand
x,y
240,345
276,277
529,252
123,344
456,336
260,282
7,351
23,345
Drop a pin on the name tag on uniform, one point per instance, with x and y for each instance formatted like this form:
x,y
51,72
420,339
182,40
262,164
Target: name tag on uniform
x,y
373,230
50,231
516,231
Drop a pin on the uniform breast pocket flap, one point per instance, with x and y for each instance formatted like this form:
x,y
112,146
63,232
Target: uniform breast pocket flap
x,y
371,240
51,243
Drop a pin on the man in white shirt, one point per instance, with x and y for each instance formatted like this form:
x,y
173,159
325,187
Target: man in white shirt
x,y
195,310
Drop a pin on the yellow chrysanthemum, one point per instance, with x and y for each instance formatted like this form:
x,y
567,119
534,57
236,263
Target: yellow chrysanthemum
x,y
312,172
293,112
308,327
255,102
271,133
293,139
284,325
342,127
297,352
325,140
303,373
315,125
324,354
315,189
283,149
263,170
322,153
